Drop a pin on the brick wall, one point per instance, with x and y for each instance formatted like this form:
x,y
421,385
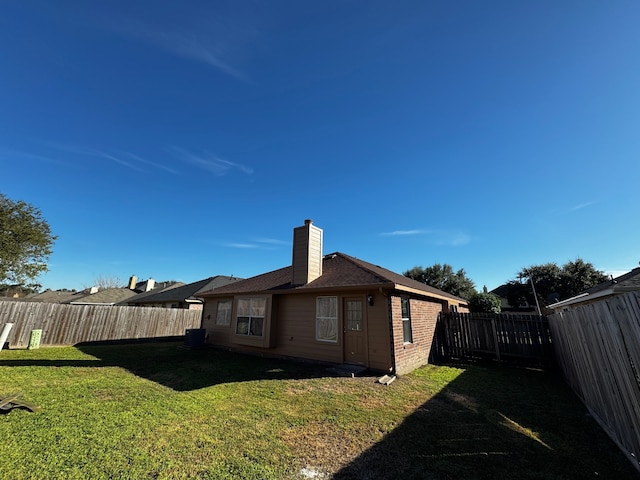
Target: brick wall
x,y
424,315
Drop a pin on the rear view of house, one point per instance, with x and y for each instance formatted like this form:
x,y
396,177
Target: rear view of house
x,y
330,308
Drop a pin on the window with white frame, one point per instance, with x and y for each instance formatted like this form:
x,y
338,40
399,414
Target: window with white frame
x,y
223,315
327,319
250,316
407,335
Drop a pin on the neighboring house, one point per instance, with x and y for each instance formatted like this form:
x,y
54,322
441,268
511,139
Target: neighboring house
x,y
51,296
108,296
629,282
180,295
148,285
333,308
502,292
142,294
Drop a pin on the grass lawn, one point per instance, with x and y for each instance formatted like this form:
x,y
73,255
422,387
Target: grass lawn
x,y
160,411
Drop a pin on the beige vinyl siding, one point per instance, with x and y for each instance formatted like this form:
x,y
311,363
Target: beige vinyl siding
x,y
379,334
296,332
216,334
293,329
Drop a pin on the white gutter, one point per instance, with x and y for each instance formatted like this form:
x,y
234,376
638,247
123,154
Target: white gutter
x,y
582,297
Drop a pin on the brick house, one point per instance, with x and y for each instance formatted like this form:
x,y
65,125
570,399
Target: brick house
x,y
333,308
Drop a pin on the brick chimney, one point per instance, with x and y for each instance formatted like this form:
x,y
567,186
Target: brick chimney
x,y
307,253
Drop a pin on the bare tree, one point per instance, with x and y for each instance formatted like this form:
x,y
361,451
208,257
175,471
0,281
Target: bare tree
x,y
106,281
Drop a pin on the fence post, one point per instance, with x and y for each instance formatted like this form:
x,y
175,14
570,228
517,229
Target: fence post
x,y
495,337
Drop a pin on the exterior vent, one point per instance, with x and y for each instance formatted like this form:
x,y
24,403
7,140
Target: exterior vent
x,y
307,253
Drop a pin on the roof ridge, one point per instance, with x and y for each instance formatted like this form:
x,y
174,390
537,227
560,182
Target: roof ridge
x,y
359,263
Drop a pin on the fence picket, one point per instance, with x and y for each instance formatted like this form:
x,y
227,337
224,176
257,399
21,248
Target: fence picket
x,y
598,351
71,324
504,337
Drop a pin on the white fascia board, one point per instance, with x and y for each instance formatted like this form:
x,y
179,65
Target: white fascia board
x,y
580,298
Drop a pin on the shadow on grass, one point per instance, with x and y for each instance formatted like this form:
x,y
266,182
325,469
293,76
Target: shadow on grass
x,y
495,422
179,368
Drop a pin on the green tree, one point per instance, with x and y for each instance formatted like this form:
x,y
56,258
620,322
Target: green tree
x,y
444,278
25,242
9,290
484,303
578,276
552,282
546,278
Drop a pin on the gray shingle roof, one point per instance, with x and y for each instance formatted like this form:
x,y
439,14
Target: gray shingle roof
x,y
182,292
160,287
51,296
107,296
630,280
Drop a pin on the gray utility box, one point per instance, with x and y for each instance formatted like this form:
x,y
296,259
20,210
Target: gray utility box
x,y
194,337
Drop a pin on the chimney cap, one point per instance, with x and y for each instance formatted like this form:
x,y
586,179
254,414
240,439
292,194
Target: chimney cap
x,y
308,221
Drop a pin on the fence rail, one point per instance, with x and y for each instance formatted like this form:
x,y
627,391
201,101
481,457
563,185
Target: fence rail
x,y
598,351
522,339
72,324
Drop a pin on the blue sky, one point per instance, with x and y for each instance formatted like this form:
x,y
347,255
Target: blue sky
x,y
181,140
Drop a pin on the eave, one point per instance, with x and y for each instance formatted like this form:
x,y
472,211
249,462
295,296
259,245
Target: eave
x,y
388,286
581,298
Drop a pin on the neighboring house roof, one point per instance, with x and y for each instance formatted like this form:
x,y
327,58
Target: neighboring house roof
x,y
502,291
628,282
182,292
148,285
50,296
161,287
108,296
338,271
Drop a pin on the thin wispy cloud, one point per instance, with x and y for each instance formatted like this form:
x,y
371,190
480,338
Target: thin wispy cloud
x,y
153,164
260,243
209,162
436,237
14,155
400,233
271,241
116,160
126,159
84,151
209,46
191,47
455,239
240,245
574,208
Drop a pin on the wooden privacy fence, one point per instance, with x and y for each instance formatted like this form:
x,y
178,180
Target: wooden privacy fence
x,y
598,350
522,339
72,324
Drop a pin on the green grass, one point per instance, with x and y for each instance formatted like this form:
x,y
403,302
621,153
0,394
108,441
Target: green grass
x,y
160,411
